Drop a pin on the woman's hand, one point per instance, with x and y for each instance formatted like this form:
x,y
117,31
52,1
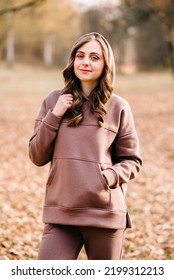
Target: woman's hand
x,y
64,102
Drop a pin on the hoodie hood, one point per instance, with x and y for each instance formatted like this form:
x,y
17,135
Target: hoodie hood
x,y
111,59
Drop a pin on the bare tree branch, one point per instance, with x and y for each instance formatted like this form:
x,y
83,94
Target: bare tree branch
x,y
20,7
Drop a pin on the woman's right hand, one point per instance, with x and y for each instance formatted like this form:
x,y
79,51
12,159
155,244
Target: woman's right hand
x,y
64,102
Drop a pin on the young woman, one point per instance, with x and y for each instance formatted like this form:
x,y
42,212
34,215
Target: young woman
x,y
88,135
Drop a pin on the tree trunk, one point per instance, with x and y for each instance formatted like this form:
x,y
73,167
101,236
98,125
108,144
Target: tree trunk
x,y
48,50
10,50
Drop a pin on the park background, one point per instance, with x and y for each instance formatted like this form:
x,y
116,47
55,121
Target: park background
x,y
35,40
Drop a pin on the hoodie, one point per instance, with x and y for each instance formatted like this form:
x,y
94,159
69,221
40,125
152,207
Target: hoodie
x,y
90,166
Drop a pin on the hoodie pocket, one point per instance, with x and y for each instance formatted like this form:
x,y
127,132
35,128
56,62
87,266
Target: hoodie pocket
x,y
118,203
77,184
52,172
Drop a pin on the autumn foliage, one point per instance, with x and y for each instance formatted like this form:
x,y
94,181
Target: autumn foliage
x,y
150,197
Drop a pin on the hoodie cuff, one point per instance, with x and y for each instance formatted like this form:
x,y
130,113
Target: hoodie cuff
x,y
52,120
110,177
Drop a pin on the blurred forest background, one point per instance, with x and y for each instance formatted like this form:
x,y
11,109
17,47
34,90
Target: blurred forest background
x,y
41,31
35,40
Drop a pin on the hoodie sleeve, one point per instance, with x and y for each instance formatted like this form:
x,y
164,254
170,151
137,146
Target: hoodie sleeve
x,y
125,151
41,144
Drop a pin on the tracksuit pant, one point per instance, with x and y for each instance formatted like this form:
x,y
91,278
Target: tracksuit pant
x,y
60,242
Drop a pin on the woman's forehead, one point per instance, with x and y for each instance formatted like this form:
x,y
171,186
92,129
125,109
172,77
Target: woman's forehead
x,y
91,47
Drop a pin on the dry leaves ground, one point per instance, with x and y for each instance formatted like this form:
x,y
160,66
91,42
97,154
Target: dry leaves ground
x,y
150,197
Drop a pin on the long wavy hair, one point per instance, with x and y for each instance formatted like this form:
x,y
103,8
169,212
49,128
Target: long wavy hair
x,y
103,90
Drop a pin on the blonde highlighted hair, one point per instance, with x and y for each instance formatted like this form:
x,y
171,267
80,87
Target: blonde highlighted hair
x,y
101,93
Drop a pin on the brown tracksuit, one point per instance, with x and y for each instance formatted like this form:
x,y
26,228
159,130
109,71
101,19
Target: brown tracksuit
x,y
90,165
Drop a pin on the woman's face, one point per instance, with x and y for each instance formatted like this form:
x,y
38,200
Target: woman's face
x,y
89,63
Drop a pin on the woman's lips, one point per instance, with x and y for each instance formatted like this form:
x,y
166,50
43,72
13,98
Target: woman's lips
x,y
85,70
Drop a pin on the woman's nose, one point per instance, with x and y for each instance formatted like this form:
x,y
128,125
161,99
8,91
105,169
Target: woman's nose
x,y
85,61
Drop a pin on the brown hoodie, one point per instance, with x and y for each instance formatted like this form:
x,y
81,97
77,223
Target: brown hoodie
x,y
90,165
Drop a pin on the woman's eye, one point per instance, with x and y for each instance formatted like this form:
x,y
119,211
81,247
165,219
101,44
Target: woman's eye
x,y
94,57
80,56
